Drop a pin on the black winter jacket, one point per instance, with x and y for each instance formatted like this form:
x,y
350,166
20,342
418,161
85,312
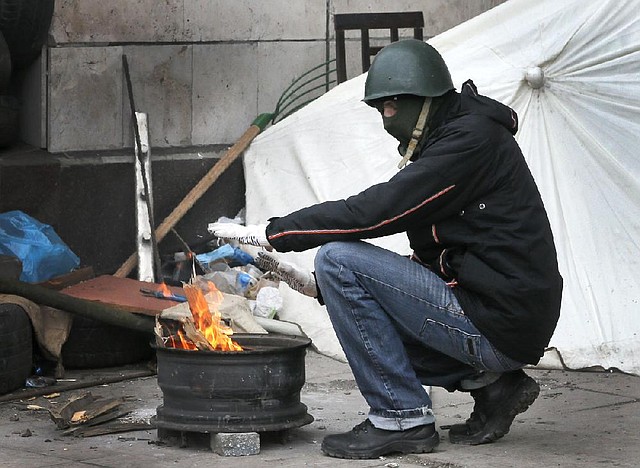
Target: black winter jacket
x,y
473,214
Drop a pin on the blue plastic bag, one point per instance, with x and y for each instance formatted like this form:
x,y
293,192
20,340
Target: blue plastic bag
x,y
234,256
42,253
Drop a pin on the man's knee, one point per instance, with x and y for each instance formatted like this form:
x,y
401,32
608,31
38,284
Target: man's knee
x,y
325,258
334,255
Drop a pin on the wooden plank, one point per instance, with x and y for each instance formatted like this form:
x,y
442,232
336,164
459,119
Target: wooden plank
x,y
112,427
123,293
409,19
69,279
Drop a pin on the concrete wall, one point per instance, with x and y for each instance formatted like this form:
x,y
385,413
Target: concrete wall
x,y
201,69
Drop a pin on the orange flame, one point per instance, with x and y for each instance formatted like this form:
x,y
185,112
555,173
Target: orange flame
x,y
209,324
182,342
164,289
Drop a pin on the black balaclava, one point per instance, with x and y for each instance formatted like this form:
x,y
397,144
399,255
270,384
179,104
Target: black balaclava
x,y
401,125
404,117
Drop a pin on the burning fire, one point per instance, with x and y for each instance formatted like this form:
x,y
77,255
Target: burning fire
x,y
207,324
182,342
164,289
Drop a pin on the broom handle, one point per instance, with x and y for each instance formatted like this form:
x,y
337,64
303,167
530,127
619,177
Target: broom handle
x,y
200,188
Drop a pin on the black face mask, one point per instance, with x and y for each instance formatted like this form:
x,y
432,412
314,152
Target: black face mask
x,y
399,116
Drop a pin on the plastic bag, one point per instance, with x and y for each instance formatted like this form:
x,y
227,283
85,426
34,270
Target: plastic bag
x,y
234,256
268,303
42,253
231,281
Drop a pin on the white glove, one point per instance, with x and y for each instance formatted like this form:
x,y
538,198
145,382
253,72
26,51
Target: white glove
x,y
299,280
254,234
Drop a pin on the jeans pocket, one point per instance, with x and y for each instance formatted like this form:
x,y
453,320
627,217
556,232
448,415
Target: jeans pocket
x,y
473,349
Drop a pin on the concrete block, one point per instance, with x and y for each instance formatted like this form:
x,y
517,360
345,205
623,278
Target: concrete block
x,y
235,444
97,21
85,98
161,77
225,87
248,20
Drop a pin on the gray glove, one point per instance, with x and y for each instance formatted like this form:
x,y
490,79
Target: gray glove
x,y
298,279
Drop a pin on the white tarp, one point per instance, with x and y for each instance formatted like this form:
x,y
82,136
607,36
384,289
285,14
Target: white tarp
x,y
579,132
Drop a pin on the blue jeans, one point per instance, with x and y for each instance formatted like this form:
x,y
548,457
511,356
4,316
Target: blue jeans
x,y
401,328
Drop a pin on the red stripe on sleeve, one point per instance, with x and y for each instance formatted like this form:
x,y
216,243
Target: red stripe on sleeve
x,y
364,229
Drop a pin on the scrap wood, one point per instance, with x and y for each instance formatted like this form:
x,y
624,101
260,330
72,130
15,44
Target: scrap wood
x,y
69,279
195,335
79,430
36,408
122,293
113,427
187,325
139,419
234,310
124,420
80,417
83,409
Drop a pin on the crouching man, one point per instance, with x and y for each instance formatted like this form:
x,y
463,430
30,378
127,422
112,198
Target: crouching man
x,y
479,298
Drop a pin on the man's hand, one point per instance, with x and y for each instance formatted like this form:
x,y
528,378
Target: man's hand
x,y
254,234
299,280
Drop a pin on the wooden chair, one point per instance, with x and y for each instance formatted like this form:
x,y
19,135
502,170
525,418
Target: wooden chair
x,y
365,22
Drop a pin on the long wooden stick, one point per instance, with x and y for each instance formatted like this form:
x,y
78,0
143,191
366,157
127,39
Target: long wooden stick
x,y
200,188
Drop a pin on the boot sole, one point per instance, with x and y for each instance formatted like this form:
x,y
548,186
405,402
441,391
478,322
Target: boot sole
x,y
399,446
500,425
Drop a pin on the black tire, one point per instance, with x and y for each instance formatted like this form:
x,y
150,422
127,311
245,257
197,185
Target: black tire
x,y
16,347
92,344
25,24
9,113
5,64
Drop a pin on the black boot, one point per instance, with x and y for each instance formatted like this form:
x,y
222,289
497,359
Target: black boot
x,y
367,441
496,406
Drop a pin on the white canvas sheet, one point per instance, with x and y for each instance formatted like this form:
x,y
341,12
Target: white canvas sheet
x,y
579,133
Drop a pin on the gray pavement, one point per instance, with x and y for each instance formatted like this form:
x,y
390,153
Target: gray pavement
x,y
581,419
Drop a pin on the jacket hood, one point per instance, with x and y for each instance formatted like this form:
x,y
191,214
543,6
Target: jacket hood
x,y
468,101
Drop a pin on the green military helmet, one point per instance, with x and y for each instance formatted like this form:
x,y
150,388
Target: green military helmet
x,y
408,66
